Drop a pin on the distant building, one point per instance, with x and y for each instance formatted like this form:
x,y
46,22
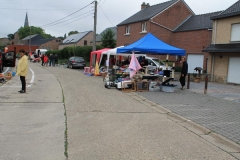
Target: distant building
x,y
79,39
30,39
49,44
99,36
4,41
33,42
26,23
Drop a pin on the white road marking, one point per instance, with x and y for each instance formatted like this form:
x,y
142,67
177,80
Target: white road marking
x,y
32,80
6,70
29,85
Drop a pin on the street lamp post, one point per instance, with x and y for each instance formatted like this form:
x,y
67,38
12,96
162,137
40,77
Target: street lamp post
x,y
30,40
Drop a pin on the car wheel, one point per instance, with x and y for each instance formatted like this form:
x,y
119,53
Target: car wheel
x,y
71,66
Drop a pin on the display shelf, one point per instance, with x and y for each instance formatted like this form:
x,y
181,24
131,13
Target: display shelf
x,y
128,86
142,86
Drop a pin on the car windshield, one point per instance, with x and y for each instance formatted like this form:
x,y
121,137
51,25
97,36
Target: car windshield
x,y
79,59
157,62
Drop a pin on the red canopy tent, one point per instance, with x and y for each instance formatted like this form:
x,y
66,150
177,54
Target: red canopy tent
x,y
95,56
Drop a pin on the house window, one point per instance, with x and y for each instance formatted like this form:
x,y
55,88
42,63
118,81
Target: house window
x,y
144,27
85,42
127,29
235,35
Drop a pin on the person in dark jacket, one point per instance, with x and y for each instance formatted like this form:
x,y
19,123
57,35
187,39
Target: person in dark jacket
x,y
42,58
56,59
52,60
184,72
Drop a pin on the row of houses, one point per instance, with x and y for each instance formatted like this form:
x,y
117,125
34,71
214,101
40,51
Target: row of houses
x,y
33,42
211,40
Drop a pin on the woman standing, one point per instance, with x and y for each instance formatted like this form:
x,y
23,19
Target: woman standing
x,y
22,69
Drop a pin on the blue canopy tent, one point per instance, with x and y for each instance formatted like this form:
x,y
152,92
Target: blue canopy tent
x,y
149,44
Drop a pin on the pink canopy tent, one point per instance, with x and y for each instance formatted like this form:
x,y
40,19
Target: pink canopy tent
x,y
95,56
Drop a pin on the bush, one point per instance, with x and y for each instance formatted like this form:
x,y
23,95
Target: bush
x,y
82,51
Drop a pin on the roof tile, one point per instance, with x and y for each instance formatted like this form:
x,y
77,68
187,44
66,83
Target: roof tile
x,y
197,22
147,13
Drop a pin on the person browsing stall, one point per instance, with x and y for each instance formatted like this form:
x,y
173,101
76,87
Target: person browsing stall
x,y
184,72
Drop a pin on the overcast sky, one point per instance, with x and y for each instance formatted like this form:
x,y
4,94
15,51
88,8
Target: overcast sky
x,y
50,15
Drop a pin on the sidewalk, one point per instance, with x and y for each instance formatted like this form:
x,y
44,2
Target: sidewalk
x,y
32,124
224,91
218,110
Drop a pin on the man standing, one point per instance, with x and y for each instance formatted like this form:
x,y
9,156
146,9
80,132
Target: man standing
x,y
183,72
22,70
52,60
42,59
56,59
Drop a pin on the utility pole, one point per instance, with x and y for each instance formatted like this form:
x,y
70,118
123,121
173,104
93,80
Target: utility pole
x,y
30,40
95,26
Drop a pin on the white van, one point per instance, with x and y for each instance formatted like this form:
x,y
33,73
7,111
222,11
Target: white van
x,y
40,51
154,63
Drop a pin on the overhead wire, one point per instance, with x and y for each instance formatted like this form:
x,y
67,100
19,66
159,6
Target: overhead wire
x,y
37,9
66,16
106,16
66,20
99,6
72,21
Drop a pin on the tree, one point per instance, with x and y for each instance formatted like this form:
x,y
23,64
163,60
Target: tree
x,y
72,32
25,31
108,40
62,38
10,36
65,36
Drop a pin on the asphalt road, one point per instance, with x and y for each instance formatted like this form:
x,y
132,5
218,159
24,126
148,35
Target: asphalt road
x,y
99,123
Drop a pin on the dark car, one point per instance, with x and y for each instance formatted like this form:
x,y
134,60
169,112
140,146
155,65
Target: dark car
x,y
1,62
76,62
7,59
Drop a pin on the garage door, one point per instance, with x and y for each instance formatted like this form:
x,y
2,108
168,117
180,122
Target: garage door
x,y
233,70
194,61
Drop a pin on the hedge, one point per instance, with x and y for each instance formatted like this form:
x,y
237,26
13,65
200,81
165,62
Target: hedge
x,y
81,51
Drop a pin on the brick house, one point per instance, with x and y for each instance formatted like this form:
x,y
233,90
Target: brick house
x,y
194,35
17,48
79,39
160,20
33,42
30,39
49,44
4,41
224,50
174,23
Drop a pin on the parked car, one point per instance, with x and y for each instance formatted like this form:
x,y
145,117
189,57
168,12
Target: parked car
x,y
1,62
76,62
7,59
154,63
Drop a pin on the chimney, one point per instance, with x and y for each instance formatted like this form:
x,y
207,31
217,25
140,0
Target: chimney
x,y
144,5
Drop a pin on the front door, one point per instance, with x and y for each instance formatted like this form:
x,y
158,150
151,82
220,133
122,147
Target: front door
x,y
233,70
9,59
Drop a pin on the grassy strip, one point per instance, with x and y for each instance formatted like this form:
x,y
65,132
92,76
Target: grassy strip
x,y
66,129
